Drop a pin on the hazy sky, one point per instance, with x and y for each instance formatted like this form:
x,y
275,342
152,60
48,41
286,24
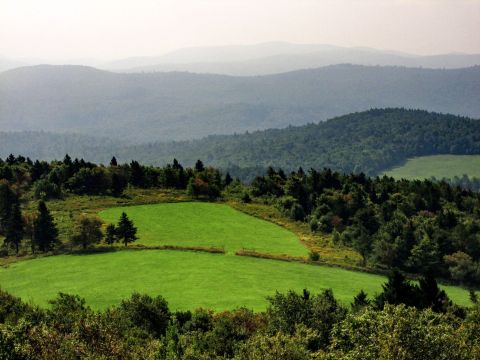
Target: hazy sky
x,y
108,29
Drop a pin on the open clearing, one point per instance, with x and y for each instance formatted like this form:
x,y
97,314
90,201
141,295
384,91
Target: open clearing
x,y
439,166
187,280
208,225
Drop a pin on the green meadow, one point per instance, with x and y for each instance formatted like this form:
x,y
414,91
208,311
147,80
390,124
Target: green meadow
x,y
439,166
207,225
186,279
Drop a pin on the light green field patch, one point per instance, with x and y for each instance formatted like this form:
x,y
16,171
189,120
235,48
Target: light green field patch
x,y
439,166
187,280
206,224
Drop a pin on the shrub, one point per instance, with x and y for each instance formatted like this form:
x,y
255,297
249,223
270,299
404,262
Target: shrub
x,y
314,256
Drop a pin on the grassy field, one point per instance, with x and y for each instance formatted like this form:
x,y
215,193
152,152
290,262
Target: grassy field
x,y
208,225
439,166
187,280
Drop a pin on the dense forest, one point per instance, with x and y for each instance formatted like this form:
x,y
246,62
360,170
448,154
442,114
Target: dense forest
x,y
368,142
175,106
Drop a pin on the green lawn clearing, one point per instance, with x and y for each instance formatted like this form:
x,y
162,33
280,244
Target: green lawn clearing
x,y
439,166
187,280
207,225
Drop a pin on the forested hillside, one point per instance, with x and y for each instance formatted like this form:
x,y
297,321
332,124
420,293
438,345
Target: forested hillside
x,y
368,142
175,106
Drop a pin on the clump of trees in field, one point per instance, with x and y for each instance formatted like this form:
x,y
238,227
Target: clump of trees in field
x,y
405,321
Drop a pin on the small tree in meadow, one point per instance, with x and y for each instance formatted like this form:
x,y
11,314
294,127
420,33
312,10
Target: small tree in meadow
x,y
88,231
126,232
45,233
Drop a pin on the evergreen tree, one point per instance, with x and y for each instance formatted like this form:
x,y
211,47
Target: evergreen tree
x,y
126,232
137,174
15,228
398,290
431,295
119,183
113,162
45,233
360,301
110,234
228,179
199,166
7,200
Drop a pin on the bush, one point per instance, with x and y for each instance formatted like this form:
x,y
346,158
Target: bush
x,y
314,256
246,198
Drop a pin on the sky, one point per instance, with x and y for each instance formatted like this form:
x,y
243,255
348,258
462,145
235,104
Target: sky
x,y
112,29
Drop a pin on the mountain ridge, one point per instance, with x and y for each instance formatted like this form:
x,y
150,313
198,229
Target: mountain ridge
x,y
178,106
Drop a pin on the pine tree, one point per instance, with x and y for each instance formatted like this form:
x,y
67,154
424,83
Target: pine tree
x,y
45,233
126,232
360,301
113,162
228,179
15,228
398,290
7,201
119,183
199,166
110,234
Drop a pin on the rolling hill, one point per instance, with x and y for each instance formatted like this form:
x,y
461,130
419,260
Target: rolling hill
x,y
176,106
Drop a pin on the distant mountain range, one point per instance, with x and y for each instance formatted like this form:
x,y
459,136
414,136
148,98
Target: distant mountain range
x,y
262,59
370,141
274,58
140,108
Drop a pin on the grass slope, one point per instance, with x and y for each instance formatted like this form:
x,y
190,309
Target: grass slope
x,y
440,166
206,224
187,280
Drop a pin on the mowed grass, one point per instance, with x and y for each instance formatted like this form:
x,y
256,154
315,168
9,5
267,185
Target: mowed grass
x,y
439,166
188,280
208,225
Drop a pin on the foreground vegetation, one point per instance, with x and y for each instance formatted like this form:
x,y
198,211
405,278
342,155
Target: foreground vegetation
x,y
403,322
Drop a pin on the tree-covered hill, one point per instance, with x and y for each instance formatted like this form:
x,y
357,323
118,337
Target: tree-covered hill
x,y
369,142
175,106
